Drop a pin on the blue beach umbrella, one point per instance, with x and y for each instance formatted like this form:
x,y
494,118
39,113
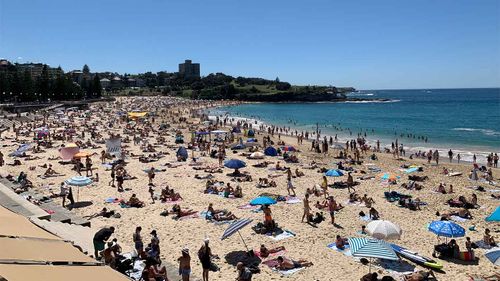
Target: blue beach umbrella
x,y
495,216
446,229
235,227
263,200
493,255
371,248
270,151
334,173
234,164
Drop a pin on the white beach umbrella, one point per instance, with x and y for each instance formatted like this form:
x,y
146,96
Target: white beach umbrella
x,y
382,229
257,155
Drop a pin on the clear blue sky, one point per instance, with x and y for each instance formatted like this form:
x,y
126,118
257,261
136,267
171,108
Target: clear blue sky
x,y
366,44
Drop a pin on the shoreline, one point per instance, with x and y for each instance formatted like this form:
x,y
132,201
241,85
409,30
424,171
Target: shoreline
x,y
466,153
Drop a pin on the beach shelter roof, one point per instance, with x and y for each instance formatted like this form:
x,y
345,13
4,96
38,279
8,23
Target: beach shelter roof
x,y
218,132
40,250
14,225
21,272
382,229
371,248
495,216
446,228
68,153
493,255
270,151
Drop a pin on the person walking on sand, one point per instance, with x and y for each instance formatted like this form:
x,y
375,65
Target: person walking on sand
x,y
205,256
185,264
436,156
331,208
151,175
450,155
350,183
307,209
474,158
458,158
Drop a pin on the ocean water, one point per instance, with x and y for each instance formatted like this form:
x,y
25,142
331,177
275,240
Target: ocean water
x,y
465,120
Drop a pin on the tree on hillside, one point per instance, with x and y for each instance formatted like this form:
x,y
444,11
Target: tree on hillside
x,y
86,69
96,87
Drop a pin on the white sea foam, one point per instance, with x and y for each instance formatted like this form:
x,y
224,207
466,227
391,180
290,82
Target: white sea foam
x,y
372,101
359,94
487,132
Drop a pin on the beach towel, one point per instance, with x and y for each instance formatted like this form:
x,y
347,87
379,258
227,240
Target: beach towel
x,y
172,202
346,251
195,215
365,218
284,235
482,245
458,219
292,200
248,207
112,200
272,263
288,272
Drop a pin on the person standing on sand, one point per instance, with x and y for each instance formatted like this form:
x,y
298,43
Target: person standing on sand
x,y
331,208
436,156
205,256
458,158
185,264
350,183
151,175
474,158
450,155
307,209
495,161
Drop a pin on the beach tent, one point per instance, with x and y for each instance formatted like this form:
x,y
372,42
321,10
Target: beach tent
x,y
288,148
235,227
67,153
182,153
495,216
270,151
251,133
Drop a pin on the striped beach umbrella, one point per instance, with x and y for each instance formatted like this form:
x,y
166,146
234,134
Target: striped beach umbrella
x,y
79,181
371,248
493,255
235,227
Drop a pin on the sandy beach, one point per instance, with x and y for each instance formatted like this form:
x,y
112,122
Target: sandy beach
x,y
308,242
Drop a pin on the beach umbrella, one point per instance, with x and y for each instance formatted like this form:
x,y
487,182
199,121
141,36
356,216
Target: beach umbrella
x,y
78,181
82,154
263,200
288,148
371,248
382,229
495,216
257,155
234,164
334,173
270,151
235,227
446,229
493,255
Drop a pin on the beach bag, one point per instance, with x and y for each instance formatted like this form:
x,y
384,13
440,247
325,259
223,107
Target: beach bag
x,y
214,267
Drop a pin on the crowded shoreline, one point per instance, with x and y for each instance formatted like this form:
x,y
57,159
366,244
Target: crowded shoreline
x,y
157,181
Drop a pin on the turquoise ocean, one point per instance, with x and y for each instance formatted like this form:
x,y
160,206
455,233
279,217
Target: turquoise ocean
x,y
465,120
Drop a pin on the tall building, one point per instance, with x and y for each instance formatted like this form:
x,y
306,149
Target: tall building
x,y
35,69
189,69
